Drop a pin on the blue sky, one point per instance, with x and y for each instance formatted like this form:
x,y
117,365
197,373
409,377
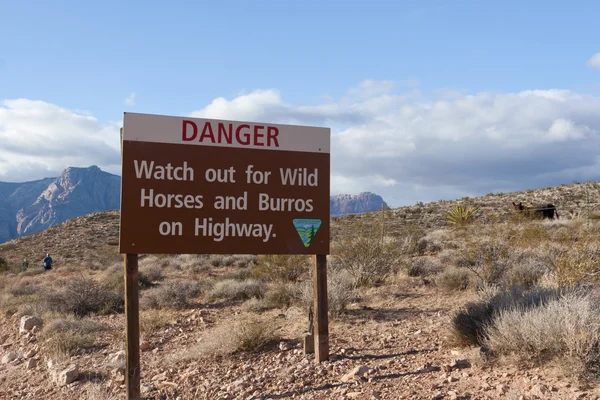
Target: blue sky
x,y
87,58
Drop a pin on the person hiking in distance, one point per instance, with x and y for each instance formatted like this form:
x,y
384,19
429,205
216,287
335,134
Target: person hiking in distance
x,y
47,262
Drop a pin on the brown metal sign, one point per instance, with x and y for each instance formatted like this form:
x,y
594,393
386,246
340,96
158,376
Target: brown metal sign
x,y
199,186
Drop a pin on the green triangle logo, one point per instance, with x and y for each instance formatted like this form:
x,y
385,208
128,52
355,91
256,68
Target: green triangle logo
x,y
307,229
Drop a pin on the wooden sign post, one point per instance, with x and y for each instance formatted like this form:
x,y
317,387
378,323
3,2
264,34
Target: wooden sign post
x,y
132,337
321,319
203,186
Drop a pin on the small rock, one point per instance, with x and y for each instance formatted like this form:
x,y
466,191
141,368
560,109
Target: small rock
x,y
51,364
452,379
353,395
144,346
66,376
28,322
453,395
9,357
502,389
283,346
30,353
117,358
356,373
3,338
31,363
539,390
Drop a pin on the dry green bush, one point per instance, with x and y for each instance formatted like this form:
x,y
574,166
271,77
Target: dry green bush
x,y
230,289
152,321
576,263
254,305
177,294
245,261
243,334
423,266
488,259
367,258
83,296
468,324
462,214
453,279
565,328
282,267
219,260
526,270
340,292
282,295
151,273
65,336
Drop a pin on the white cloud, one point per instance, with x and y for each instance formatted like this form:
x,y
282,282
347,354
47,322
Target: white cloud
x,y
416,147
130,100
41,139
594,61
387,138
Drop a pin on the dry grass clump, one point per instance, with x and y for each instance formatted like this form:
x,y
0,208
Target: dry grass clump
x,y
243,334
367,258
576,263
469,323
565,327
83,296
282,267
177,294
63,337
231,289
340,292
282,295
423,266
152,321
454,279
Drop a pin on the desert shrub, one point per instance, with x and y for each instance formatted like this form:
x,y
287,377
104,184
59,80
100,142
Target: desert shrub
x,y
25,288
526,270
175,294
340,292
367,258
3,265
245,261
565,327
255,305
282,267
462,214
65,336
575,264
453,279
488,260
151,273
423,266
244,334
219,260
282,295
433,242
229,289
152,321
83,296
468,324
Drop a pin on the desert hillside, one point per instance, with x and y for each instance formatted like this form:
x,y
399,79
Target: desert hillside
x,y
464,299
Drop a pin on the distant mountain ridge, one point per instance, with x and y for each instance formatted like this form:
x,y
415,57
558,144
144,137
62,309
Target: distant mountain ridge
x,y
344,204
29,207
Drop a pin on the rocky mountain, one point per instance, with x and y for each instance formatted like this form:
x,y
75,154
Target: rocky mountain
x,y
343,204
30,207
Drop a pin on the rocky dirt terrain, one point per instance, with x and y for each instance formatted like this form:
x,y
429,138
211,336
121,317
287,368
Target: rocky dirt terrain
x,y
392,346
231,327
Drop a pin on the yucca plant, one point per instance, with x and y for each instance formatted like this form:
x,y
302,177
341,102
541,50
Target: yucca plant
x,y
461,214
